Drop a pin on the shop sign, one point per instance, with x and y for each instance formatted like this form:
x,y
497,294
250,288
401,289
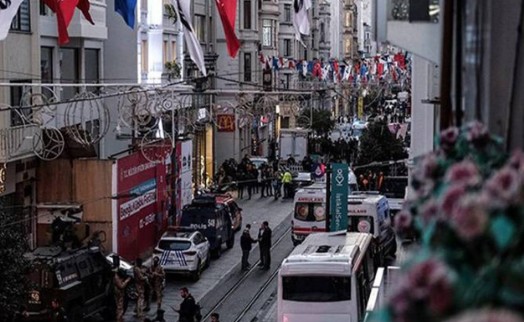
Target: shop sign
x,y
339,197
226,123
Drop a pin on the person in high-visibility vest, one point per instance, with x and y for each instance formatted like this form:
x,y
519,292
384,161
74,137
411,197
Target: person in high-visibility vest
x,y
287,178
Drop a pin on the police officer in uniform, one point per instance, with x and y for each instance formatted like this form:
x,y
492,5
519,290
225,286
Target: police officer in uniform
x,y
157,274
120,282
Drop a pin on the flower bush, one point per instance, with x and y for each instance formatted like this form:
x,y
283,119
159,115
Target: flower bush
x,y
467,212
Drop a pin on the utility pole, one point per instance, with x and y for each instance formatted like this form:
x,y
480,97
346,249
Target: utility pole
x,y
328,197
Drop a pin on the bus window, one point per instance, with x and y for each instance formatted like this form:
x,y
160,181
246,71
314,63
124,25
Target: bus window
x,y
310,211
316,288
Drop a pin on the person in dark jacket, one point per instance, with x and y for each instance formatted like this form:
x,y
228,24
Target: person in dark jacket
x,y
246,244
264,243
187,309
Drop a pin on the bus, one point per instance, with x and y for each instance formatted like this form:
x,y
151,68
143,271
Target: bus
x,y
328,277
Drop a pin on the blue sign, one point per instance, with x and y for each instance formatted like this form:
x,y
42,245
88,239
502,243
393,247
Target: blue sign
x,y
339,197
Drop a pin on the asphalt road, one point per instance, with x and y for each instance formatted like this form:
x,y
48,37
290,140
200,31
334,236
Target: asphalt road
x,y
225,271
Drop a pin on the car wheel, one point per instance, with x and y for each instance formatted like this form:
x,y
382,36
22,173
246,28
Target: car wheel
x,y
231,242
217,252
198,271
208,260
76,314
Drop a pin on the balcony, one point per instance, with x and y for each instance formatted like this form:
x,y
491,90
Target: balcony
x,y
17,142
413,25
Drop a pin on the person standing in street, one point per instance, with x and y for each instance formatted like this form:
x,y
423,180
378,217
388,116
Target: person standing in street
x,y
140,283
158,275
287,179
264,243
120,282
215,317
58,313
187,310
246,244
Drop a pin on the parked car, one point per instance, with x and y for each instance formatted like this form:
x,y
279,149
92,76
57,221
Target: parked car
x,y
183,251
234,210
212,219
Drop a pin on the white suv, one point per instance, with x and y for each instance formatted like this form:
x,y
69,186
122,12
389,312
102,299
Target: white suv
x,y
183,252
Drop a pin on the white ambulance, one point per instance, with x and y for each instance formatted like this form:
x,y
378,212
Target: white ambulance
x,y
368,212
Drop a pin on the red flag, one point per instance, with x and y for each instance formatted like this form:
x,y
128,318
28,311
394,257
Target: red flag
x,y
64,10
227,10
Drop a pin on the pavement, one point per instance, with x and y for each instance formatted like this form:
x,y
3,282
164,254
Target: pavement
x,y
226,269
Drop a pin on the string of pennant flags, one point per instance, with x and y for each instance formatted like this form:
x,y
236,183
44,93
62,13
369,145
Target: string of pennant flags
x,y
392,67
395,67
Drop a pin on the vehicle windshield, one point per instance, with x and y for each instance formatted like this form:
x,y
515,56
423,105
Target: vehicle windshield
x,y
394,187
316,288
174,245
362,224
310,211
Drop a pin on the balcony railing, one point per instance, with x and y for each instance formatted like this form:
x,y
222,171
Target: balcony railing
x,y
18,142
414,10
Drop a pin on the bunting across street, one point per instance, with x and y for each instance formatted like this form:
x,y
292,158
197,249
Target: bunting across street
x,y
8,10
183,10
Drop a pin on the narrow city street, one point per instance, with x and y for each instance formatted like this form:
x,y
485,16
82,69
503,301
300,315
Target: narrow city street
x,y
225,272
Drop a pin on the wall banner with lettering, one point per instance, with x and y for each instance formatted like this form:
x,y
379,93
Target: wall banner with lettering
x,y
142,202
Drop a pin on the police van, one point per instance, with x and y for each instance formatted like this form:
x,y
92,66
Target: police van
x,y
209,216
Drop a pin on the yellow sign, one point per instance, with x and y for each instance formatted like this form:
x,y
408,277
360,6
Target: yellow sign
x,y
226,123
360,111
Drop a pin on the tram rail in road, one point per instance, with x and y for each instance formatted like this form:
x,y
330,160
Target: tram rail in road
x,y
253,282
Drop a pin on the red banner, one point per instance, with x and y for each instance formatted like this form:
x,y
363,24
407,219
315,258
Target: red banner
x,y
142,204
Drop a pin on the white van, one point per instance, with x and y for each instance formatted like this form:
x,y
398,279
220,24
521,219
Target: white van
x,y
328,277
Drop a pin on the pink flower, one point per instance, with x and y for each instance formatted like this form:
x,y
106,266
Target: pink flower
x,y
487,315
403,220
427,168
504,186
440,296
451,198
517,161
469,217
429,211
464,172
477,133
448,138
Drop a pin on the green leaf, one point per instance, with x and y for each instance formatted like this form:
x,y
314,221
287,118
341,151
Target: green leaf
x,y
503,231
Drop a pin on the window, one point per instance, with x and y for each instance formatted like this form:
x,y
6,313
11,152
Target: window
x,y
165,52
92,67
247,14
143,4
287,13
44,9
22,19
69,71
200,26
267,33
247,67
46,69
19,116
347,19
173,50
145,59
305,288
287,47
322,33
310,211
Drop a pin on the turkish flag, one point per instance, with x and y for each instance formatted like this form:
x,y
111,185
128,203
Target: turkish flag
x,y
64,10
227,10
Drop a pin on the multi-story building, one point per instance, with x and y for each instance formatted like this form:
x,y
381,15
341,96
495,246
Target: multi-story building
x,y
366,44
350,30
